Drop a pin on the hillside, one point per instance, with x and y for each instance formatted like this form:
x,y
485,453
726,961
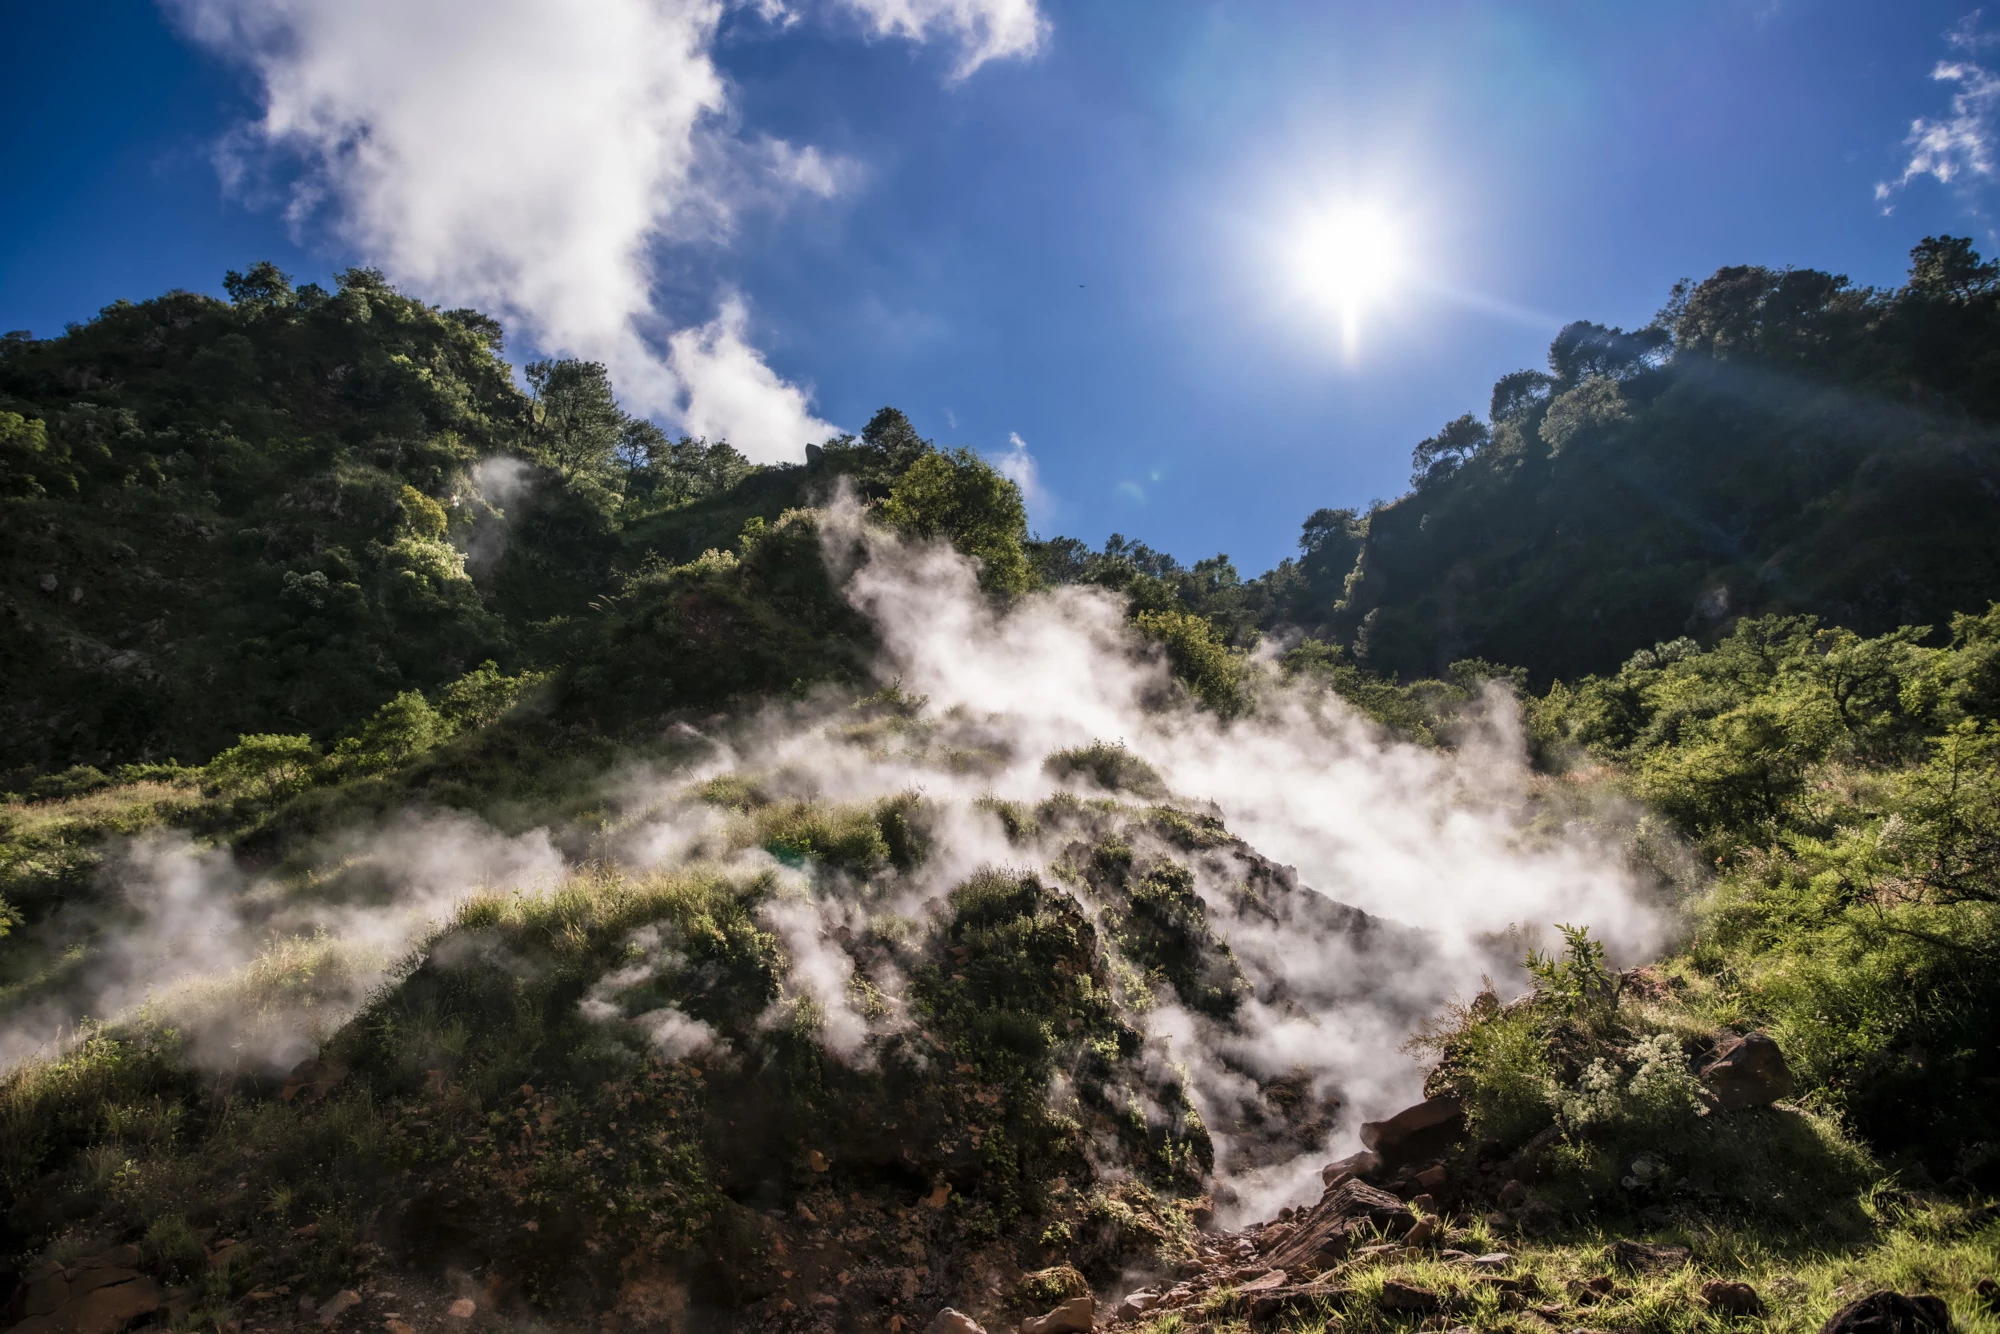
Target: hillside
x,y
470,858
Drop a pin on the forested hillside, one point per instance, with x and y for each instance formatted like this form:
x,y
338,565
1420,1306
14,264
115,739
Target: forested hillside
x,y
469,857
1777,440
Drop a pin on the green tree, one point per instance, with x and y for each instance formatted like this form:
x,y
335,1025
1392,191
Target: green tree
x,y
574,416
955,496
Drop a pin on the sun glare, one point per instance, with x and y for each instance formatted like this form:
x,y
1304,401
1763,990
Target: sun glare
x,y
1347,261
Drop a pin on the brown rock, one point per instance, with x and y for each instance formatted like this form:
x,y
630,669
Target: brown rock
x,y
1400,1296
949,1321
109,1309
1749,1072
1731,1298
1649,1259
1074,1316
1431,1177
1888,1312
1416,1133
46,1294
394,1326
1512,1194
1264,1282
90,1280
461,1309
118,1257
1322,1236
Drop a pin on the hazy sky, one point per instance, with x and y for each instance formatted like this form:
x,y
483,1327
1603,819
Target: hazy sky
x,y
1204,267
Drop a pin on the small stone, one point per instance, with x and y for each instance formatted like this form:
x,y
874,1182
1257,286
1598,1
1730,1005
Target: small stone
x,y
1074,1316
398,1327
817,1161
1512,1195
1492,1260
1264,1282
339,1305
47,583
461,1309
949,1321
1431,1177
1731,1298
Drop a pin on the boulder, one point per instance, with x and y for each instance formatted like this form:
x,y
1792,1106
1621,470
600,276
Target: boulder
x,y
1416,1133
1888,1312
1322,1236
949,1321
1731,1298
1074,1316
1748,1072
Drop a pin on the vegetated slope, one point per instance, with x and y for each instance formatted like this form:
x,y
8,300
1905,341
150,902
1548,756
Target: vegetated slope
x,y
1778,441
224,518
712,1020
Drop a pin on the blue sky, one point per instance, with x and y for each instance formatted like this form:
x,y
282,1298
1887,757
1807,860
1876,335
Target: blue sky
x,y
1087,226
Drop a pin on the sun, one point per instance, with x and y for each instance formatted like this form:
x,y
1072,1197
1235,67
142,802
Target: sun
x,y
1349,260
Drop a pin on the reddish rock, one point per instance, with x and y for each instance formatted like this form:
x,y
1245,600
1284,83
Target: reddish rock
x,y
1748,1072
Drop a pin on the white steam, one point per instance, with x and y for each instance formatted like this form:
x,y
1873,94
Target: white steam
x,y
1457,858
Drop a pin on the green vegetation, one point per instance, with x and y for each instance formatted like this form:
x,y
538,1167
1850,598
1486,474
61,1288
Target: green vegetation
x,y
281,571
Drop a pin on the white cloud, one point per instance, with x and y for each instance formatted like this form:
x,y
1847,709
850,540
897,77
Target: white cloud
x,y
986,29
530,157
1962,144
1018,466
733,395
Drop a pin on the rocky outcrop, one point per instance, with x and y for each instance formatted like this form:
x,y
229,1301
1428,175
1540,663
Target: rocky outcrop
x,y
1749,1071
101,1295
1322,1236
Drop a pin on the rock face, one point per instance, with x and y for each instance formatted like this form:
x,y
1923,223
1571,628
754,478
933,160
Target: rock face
x,y
1749,1072
1416,1133
1888,1312
1324,1234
